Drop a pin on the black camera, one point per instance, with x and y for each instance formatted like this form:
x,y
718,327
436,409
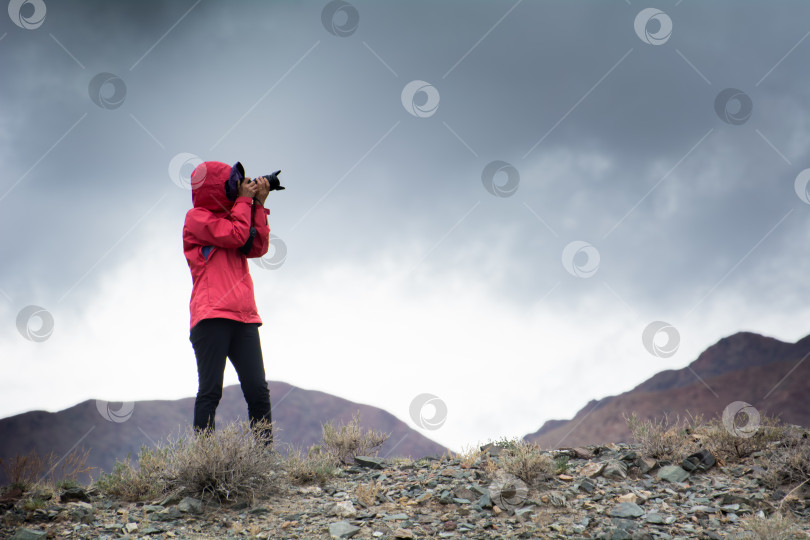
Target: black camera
x,y
275,184
238,175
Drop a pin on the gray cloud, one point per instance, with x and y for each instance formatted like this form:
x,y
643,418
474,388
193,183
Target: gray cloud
x,y
268,85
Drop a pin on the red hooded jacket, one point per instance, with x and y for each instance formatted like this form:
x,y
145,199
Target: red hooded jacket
x,y
222,286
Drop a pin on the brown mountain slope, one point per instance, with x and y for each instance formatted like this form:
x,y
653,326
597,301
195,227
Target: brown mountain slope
x,y
771,375
297,413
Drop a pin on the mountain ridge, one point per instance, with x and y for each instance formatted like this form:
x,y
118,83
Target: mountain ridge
x,y
298,417
745,367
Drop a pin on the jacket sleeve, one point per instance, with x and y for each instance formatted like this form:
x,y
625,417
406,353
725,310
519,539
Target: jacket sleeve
x,y
261,242
225,232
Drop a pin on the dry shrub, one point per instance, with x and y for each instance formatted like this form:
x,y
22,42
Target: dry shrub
x,y
527,461
730,448
348,440
226,463
316,466
367,493
789,462
29,470
774,527
401,460
490,466
663,438
469,455
135,483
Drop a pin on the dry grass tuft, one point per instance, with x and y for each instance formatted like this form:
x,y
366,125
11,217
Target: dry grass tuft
x,y
32,470
346,441
663,438
730,448
316,466
367,493
527,461
774,527
225,463
132,483
469,455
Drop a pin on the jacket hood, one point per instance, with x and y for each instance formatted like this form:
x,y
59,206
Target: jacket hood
x,y
208,186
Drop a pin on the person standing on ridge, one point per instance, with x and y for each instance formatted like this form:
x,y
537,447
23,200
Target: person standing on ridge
x,y
226,226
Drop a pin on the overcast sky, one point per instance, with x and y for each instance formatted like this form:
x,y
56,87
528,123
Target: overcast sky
x,y
487,202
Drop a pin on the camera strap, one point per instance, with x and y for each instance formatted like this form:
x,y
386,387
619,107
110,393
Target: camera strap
x,y
249,242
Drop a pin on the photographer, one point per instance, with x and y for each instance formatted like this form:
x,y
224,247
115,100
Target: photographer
x,y
227,225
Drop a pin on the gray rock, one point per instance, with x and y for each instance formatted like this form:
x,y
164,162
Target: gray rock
x,y
370,462
673,473
700,461
462,492
190,505
27,534
492,449
616,470
342,529
259,511
587,485
555,498
626,510
620,534
521,512
74,494
167,514
172,498
345,509
82,511
484,501
645,465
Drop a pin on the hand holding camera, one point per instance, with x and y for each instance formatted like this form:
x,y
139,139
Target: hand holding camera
x,y
258,188
238,185
247,188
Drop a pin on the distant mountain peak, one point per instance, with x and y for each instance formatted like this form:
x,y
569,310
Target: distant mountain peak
x,y
745,366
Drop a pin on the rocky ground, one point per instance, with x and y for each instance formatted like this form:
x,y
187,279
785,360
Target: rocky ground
x,y
605,492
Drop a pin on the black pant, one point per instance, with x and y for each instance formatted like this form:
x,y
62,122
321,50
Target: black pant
x,y
213,340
